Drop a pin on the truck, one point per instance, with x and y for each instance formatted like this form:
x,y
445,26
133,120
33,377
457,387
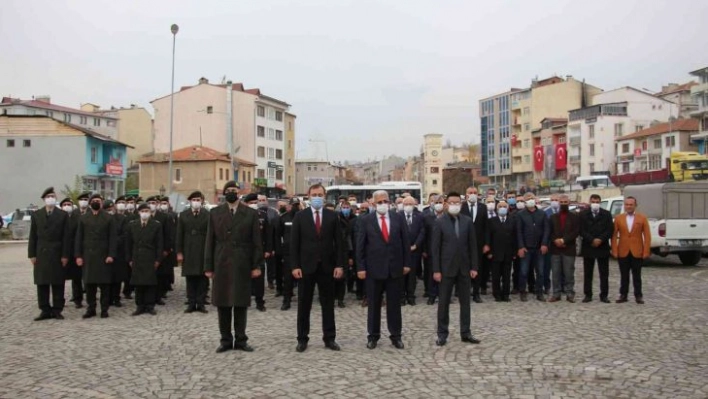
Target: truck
x,y
678,217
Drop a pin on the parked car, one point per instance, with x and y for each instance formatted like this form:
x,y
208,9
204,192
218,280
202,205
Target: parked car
x,y
18,214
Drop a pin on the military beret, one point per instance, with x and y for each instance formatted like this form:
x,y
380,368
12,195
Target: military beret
x,y
231,184
154,198
164,198
48,191
95,196
139,199
107,204
66,201
196,194
84,196
250,197
294,201
121,198
143,206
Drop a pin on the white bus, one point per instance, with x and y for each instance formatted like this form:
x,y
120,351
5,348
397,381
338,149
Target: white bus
x,y
394,188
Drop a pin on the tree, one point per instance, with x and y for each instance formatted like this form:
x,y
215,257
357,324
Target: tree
x,y
74,192
132,182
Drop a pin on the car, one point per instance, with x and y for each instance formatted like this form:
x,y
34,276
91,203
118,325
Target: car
x,y
24,214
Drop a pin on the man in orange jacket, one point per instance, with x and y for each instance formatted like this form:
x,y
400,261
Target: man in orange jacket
x,y
631,244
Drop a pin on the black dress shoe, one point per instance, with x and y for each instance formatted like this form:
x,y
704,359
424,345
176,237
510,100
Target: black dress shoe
x,y
341,304
201,309
471,339
587,299
78,305
524,297
397,343
104,314
541,297
89,314
477,299
160,302
621,299
484,291
117,304
371,344
243,347
43,316
604,300
301,347
223,348
333,345
137,312
190,309
151,311
286,306
440,342
431,300
640,300
57,315
261,307
411,301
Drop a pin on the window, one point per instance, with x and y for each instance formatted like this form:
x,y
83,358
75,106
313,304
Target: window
x,y
526,111
261,131
67,118
261,173
249,176
243,176
616,208
227,174
638,128
278,175
279,135
309,168
271,134
221,173
278,154
625,167
96,122
210,109
271,153
591,131
271,173
561,139
645,145
592,150
94,155
654,162
10,143
278,116
111,123
290,180
290,162
261,152
592,167
527,127
271,113
435,182
527,158
670,141
657,144
625,148
178,175
290,126
83,120
48,113
261,111
527,143
619,128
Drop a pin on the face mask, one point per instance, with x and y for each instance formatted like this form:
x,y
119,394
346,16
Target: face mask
x,y
231,197
121,207
253,206
153,207
196,205
144,215
262,204
164,207
111,212
472,199
83,204
565,208
352,203
555,205
130,207
295,208
520,205
346,211
408,209
438,207
491,206
381,209
317,203
50,201
363,211
454,210
595,207
503,211
282,209
67,208
530,203
399,207
95,206
511,201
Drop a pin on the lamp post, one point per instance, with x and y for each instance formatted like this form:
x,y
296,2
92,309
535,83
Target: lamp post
x,y
174,29
162,190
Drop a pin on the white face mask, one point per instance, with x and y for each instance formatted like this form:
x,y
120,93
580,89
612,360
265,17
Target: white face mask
x,y
399,207
408,209
67,208
83,204
454,210
595,207
503,211
472,198
253,206
438,207
164,208
144,215
111,212
491,206
352,203
196,205
381,209
50,201
555,205
520,205
121,207
530,203
153,207
130,206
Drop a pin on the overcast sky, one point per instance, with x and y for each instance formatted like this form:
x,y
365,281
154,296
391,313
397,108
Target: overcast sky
x,y
369,77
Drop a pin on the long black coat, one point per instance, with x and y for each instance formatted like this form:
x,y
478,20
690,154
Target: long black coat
x,y
96,239
49,243
120,264
168,225
72,271
591,228
233,249
143,247
191,240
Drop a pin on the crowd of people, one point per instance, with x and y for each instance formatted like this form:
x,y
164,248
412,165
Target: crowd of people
x,y
462,247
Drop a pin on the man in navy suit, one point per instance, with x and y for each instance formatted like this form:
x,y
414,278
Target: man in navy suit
x,y
416,237
317,253
383,258
476,209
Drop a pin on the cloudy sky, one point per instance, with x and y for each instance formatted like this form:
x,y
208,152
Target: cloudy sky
x,y
368,77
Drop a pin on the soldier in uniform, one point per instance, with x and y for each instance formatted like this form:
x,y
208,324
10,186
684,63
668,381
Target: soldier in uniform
x,y
163,276
266,236
120,263
96,246
83,199
191,235
131,213
73,272
171,258
48,250
272,273
233,255
143,248
286,224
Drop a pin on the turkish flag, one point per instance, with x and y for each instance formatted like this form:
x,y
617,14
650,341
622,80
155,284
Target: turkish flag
x,y
538,158
561,156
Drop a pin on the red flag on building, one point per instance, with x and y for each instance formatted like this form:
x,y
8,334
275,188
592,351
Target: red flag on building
x,y
538,158
561,156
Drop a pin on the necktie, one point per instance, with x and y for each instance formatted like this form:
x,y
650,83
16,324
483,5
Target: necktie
x,y
318,224
594,214
233,212
144,224
410,219
384,228
503,220
457,228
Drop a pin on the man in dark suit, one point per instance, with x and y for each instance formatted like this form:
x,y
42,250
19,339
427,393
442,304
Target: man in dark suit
x,y
455,263
163,273
48,250
532,231
501,250
437,207
251,200
596,229
477,210
565,228
383,258
191,235
233,254
416,237
317,255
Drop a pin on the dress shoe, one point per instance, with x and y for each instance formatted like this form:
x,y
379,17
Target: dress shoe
x,y
553,299
470,339
78,305
223,348
524,297
570,298
640,300
201,309
364,303
286,306
484,291
541,297
441,342
477,299
104,314
57,315
514,291
404,302
621,299
587,299
397,343
89,314
604,300
506,299
332,345
243,347
160,302
261,307
340,304
371,344
411,301
497,299
301,346
425,295
151,311
271,285
547,291
137,312
43,316
117,304
190,309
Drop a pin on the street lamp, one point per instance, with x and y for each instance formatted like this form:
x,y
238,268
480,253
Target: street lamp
x,y
174,29
162,190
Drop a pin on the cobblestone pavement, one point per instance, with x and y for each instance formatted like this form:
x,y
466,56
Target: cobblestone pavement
x,y
528,349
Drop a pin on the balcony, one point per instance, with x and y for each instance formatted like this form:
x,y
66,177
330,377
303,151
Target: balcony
x,y
574,159
515,105
574,141
699,89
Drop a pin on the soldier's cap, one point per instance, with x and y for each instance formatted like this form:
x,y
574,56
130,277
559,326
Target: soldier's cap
x,y
164,198
230,184
294,201
143,206
342,197
95,196
154,198
84,196
66,201
107,204
129,198
250,197
121,198
139,199
49,190
196,194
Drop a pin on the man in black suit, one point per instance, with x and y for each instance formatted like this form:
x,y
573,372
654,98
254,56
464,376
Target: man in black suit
x,y
501,250
383,258
437,207
477,210
317,255
596,228
455,262
416,237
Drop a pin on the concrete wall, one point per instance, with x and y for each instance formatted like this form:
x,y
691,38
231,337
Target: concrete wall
x,y
290,153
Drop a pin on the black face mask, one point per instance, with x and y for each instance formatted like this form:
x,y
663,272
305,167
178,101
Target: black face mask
x,y
231,197
283,209
95,206
564,208
295,208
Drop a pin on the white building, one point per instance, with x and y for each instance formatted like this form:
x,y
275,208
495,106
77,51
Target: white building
x,y
592,130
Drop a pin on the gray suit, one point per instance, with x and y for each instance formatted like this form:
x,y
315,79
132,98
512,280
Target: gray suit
x,y
454,253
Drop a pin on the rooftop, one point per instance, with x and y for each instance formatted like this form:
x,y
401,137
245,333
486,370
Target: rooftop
x,y
675,88
679,125
85,131
46,105
234,86
194,153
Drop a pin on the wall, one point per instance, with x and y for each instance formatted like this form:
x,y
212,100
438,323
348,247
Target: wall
x,y
135,128
195,176
290,153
